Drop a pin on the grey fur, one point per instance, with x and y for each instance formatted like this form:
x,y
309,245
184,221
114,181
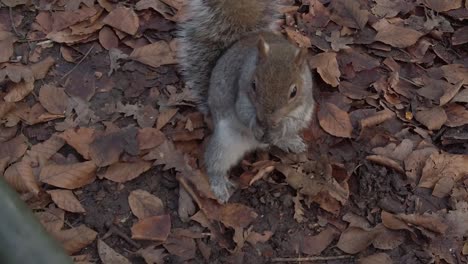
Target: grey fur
x,y
229,104
208,33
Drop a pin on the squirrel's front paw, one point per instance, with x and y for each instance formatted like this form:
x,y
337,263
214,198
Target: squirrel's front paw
x,y
294,145
222,189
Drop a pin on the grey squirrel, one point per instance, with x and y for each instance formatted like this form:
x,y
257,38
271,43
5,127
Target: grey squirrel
x,y
256,85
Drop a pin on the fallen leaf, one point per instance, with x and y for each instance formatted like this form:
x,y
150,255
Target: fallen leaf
x,y
157,5
391,8
338,42
123,19
433,118
153,255
236,215
457,115
66,200
143,204
165,117
42,152
443,5
65,19
155,54
126,171
14,148
149,138
69,176
76,238
40,69
109,255
106,149
455,73
414,163
440,165
13,3
181,246
79,139
253,238
391,34
21,176
18,91
186,205
354,240
155,228
460,36
52,219
379,258
167,155
108,38
7,39
349,14
53,99
429,222
334,120
327,66
314,245
301,40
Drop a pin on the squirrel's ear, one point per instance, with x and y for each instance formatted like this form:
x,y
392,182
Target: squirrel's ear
x,y
263,48
301,55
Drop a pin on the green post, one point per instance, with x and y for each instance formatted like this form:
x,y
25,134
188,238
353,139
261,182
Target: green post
x,y
23,240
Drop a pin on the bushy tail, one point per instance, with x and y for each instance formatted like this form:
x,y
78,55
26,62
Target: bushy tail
x,y
212,27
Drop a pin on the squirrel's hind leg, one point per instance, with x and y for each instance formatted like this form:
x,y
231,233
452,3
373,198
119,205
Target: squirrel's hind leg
x,y
224,150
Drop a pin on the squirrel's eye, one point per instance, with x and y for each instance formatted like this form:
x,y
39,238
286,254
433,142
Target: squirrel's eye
x,y
293,92
254,86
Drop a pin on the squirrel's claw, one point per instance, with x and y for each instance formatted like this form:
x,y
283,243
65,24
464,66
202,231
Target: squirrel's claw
x,y
222,189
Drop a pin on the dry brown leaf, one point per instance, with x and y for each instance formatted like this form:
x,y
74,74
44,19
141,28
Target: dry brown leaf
x,y
429,222
391,34
327,66
415,163
126,171
41,68
349,14
42,152
460,36
181,246
66,200
20,175
155,54
14,148
79,139
236,215
52,219
13,3
338,42
149,138
301,40
165,117
108,255
457,115
450,92
354,240
108,38
153,255
65,19
107,148
167,155
443,5
253,237
334,120
123,19
186,205
69,176
53,99
18,91
6,45
66,36
441,165
155,228
143,204
391,8
455,73
75,239
159,6
314,245
379,258
433,118
385,161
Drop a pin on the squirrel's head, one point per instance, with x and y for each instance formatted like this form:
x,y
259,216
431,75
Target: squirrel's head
x,y
280,83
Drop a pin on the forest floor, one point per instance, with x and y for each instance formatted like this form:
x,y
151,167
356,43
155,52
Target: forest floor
x,y
100,136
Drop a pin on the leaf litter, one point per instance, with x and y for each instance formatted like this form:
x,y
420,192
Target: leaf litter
x,y
389,142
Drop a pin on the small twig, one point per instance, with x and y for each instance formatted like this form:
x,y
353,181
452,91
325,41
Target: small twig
x,y
13,23
311,258
115,230
76,66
